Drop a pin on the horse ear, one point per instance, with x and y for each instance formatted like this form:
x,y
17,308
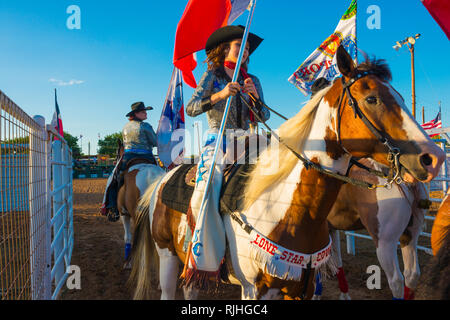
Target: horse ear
x,y
119,142
345,62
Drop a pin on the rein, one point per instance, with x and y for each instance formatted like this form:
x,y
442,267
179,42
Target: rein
x,y
393,155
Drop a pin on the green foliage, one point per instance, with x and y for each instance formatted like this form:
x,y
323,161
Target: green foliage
x,y
108,145
73,144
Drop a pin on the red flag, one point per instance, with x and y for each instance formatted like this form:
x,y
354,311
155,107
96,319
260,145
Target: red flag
x,y
57,121
200,19
440,11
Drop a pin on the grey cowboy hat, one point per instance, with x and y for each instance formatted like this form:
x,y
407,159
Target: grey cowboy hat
x,y
136,107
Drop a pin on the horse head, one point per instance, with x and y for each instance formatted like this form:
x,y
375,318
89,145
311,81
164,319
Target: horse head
x,y
375,122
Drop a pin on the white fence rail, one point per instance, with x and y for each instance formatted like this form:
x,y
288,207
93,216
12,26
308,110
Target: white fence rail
x,y
36,215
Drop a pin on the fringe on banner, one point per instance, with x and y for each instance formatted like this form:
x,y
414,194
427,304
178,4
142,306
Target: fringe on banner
x,y
329,269
274,266
200,279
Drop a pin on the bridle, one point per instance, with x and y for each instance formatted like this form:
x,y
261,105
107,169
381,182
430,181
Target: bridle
x,y
393,152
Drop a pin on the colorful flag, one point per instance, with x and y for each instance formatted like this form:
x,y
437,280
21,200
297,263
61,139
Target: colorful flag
x,y
171,125
322,62
200,19
433,124
440,11
57,121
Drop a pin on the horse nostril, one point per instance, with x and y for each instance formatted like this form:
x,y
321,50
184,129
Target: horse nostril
x,y
426,160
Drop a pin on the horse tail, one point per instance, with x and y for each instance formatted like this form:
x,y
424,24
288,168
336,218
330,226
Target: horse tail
x,y
144,256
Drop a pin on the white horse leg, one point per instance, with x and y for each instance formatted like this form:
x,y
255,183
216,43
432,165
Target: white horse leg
x,y
126,221
336,254
168,274
412,269
190,293
387,256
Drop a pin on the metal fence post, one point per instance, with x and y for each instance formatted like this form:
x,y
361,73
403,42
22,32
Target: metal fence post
x,y
350,243
58,243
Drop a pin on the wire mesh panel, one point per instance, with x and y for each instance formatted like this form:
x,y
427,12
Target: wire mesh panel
x,y
24,213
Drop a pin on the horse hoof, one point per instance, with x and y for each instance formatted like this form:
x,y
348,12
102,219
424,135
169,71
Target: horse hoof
x,y
127,265
316,297
344,296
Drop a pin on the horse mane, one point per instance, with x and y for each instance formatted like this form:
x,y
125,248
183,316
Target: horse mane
x,y
294,133
377,67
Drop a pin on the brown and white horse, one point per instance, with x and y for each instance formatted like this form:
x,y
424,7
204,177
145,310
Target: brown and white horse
x,y
435,281
136,180
280,236
389,215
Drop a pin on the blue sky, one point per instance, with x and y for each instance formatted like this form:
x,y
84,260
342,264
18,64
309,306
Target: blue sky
x,y
123,53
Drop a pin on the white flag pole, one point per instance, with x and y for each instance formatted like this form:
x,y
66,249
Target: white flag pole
x,y
227,106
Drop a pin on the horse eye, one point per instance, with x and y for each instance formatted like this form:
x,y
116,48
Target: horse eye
x,y
371,100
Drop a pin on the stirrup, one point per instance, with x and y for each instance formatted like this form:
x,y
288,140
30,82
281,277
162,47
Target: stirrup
x,y
113,214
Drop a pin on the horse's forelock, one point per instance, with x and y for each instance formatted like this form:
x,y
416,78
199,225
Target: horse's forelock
x,y
377,67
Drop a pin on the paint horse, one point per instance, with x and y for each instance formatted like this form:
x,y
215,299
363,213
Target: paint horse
x,y
136,178
279,237
435,281
389,215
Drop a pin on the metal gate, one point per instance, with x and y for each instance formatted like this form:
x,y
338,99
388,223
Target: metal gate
x,y
36,217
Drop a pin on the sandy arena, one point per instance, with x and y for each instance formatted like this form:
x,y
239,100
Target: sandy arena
x,y
99,252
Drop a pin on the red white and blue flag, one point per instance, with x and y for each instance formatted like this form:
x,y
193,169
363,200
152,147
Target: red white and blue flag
x,y
200,19
56,120
170,133
436,123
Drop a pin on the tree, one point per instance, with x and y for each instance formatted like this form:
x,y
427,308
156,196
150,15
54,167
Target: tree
x,y
73,144
108,145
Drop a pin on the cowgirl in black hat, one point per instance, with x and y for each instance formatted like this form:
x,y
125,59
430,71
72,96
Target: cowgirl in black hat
x,y
139,139
210,97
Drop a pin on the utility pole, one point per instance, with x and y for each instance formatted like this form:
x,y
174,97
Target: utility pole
x,y
423,114
410,42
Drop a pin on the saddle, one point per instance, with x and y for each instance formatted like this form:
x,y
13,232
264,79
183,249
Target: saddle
x,y
178,190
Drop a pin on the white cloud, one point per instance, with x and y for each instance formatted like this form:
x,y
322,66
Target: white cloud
x,y
66,83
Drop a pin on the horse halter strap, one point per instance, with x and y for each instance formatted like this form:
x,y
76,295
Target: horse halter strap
x,y
393,152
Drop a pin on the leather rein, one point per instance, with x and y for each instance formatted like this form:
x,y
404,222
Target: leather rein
x,y
393,152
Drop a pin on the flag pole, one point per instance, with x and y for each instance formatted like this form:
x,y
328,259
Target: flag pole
x,y
227,106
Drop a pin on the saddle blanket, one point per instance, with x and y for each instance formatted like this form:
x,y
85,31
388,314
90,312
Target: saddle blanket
x,y
178,190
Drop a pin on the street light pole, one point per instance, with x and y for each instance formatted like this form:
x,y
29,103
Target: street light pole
x,y
410,42
413,80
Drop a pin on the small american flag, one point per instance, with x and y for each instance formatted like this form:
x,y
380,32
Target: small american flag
x,y
433,124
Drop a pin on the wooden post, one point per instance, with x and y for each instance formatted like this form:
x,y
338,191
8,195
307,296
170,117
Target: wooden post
x,y
423,114
411,49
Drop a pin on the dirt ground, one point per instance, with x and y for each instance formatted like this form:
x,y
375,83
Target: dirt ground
x,y
99,252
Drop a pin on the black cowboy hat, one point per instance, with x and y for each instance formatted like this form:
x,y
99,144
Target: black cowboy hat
x,y
230,33
136,107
